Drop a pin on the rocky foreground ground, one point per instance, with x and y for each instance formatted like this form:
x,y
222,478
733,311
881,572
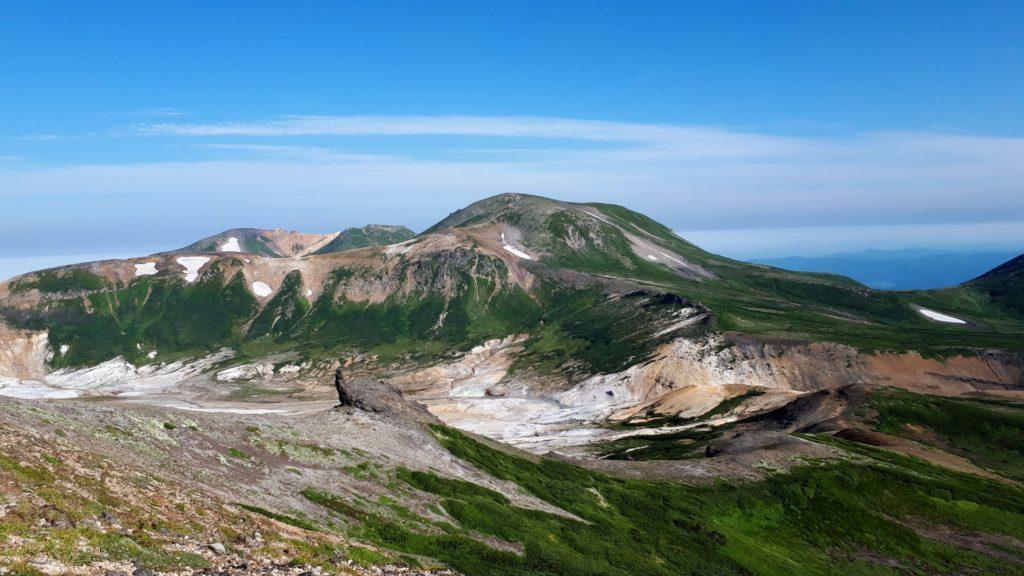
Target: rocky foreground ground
x,y
108,487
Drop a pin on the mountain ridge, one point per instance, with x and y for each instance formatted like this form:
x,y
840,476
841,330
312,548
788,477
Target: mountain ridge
x,y
507,264
279,243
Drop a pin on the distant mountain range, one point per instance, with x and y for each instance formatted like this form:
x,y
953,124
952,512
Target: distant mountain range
x,y
911,269
560,272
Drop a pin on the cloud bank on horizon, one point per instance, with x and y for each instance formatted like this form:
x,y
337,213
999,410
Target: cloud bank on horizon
x,y
326,172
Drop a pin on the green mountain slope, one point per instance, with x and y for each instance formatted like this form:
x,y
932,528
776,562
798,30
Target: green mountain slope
x,y
1004,284
371,235
249,240
610,240
837,517
287,244
597,287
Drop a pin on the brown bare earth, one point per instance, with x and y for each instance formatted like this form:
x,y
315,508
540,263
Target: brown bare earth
x,y
911,448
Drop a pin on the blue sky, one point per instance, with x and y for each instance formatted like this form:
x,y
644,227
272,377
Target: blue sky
x,y
787,128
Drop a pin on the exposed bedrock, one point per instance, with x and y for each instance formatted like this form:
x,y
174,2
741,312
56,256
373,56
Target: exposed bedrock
x,y
377,396
713,366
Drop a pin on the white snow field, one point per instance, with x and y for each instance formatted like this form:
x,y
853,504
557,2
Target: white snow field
x,y
192,265
145,269
261,289
939,316
231,245
513,249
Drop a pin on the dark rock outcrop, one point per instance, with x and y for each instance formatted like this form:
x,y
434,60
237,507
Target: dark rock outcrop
x,y
377,396
744,443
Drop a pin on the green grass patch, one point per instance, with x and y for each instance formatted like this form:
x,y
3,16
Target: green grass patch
x,y
57,281
297,522
818,518
989,434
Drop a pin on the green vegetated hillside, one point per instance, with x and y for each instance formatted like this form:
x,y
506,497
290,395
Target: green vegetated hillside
x,y
453,303
758,299
988,433
372,235
102,320
263,242
868,512
586,256
1003,285
250,240
863,510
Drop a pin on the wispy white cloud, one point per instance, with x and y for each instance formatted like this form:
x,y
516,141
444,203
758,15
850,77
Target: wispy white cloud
x,y
44,137
154,112
623,141
318,154
694,138
506,126
693,178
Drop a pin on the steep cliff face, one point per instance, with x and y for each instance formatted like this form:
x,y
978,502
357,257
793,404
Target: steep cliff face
x,y
23,353
711,366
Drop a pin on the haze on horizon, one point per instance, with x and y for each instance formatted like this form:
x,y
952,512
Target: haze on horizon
x,y
796,129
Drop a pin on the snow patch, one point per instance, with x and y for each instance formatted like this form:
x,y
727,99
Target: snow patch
x,y
151,355
592,215
513,249
939,316
261,289
688,319
652,258
674,259
400,248
145,269
64,349
309,292
192,265
231,245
